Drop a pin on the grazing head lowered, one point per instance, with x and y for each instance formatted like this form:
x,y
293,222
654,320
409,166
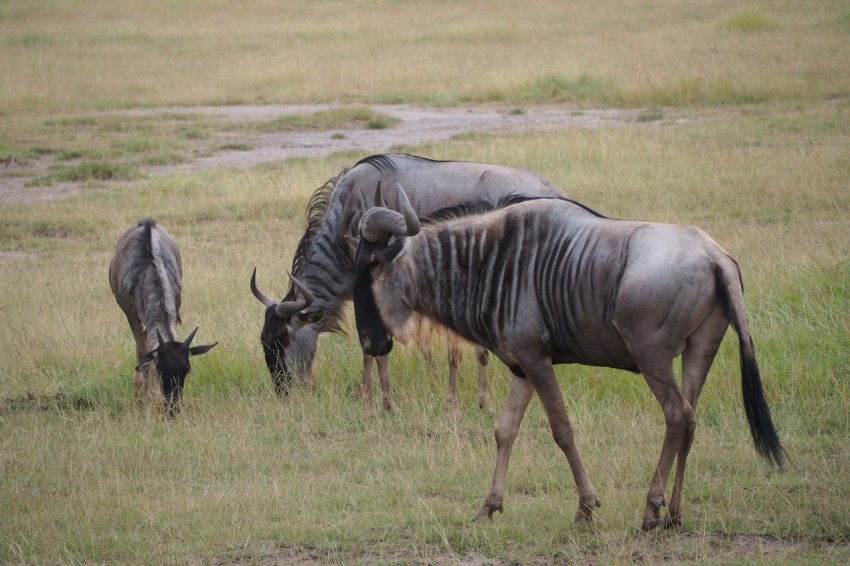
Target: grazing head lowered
x,y
145,275
323,257
549,281
286,353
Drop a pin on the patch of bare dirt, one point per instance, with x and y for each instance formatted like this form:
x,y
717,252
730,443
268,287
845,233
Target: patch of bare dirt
x,y
417,126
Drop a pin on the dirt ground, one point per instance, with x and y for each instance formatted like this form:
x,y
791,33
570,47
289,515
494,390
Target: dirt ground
x,y
417,125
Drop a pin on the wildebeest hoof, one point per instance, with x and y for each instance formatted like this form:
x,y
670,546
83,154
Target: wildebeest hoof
x,y
649,524
672,522
585,510
487,510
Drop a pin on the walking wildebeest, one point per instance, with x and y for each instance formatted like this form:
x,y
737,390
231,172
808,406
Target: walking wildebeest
x,y
548,281
323,258
146,278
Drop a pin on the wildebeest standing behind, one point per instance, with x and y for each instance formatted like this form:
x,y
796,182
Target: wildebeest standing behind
x,y
146,277
323,258
550,281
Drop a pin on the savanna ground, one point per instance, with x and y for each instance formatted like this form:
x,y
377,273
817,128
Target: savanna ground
x,y
734,116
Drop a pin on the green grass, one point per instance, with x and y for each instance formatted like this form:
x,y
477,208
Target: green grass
x,y
55,55
241,475
756,154
340,118
750,21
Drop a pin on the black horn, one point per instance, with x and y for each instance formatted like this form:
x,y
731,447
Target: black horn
x,y
411,219
291,307
190,338
262,297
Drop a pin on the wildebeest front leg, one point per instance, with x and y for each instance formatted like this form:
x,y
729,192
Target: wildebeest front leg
x,y
507,427
483,357
545,383
366,385
455,357
386,390
141,350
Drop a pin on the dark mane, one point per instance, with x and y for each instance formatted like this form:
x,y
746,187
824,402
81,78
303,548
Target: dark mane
x,y
384,162
380,162
317,208
471,208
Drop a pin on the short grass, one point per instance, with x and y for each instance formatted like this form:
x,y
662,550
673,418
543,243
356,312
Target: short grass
x,y
94,55
242,476
760,161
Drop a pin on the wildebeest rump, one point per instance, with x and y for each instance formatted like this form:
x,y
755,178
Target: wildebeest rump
x,y
550,281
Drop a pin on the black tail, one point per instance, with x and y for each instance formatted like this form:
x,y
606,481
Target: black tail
x,y
758,413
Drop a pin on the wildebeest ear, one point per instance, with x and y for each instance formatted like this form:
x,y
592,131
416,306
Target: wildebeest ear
x,y
146,362
311,317
389,253
198,350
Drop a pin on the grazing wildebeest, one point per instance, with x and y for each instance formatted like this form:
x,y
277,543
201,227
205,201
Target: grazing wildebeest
x,y
548,281
146,278
323,258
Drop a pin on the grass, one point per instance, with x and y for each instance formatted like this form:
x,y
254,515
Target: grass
x,y
340,118
207,53
757,155
242,475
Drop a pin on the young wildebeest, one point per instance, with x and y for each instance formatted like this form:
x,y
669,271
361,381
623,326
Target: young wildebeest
x,y
323,258
146,278
549,281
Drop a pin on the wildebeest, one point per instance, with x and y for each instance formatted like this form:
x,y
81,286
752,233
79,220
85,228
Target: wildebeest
x,y
323,257
146,277
548,281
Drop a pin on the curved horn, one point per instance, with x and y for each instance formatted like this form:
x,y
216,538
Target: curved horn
x,y
411,219
379,198
378,224
190,338
291,307
262,297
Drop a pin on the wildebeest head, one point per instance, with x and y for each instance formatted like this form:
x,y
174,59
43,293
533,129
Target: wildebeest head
x,y
171,362
382,233
287,351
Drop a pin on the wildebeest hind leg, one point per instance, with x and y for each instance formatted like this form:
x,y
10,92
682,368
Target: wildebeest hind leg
x,y
658,374
697,358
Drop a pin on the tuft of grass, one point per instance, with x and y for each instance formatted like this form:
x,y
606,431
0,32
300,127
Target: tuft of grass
x,y
651,115
557,88
335,119
88,171
750,21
